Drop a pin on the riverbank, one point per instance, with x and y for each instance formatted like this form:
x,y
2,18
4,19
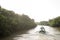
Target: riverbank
x,y
33,34
56,28
14,35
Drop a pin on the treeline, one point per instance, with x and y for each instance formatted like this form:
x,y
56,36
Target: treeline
x,y
55,22
10,22
43,23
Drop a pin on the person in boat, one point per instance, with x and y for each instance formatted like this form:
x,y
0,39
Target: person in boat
x,y
42,29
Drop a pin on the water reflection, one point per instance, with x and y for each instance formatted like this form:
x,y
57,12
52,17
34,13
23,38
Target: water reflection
x,y
33,34
48,29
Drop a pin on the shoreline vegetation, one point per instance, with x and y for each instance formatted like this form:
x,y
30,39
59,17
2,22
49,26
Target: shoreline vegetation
x,y
55,22
11,23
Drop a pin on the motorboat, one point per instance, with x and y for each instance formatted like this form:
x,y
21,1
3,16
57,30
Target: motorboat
x,y
42,30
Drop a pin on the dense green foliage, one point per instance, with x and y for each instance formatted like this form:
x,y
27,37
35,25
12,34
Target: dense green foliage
x,y
43,23
10,22
55,22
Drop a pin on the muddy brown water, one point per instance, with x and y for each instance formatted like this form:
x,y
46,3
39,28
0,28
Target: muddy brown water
x,y
34,34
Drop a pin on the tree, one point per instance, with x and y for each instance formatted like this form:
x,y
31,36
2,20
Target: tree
x,y
43,23
55,22
10,22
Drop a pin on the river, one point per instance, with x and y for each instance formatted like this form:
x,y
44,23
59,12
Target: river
x,y
33,34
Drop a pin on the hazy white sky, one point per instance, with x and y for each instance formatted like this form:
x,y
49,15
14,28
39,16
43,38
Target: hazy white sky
x,y
37,9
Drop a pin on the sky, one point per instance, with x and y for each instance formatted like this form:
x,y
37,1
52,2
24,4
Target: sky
x,y
39,10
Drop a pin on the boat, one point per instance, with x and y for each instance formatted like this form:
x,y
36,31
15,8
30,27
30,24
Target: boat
x,y
42,30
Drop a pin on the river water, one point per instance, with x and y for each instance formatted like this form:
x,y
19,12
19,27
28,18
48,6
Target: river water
x,y
33,34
